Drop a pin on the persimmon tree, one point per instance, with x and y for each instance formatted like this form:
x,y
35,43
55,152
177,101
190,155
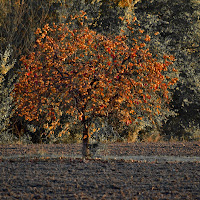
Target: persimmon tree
x,y
87,75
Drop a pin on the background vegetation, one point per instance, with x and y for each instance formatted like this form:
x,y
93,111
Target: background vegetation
x,y
178,25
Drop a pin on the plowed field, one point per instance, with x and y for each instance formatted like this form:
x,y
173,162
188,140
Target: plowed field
x,y
56,172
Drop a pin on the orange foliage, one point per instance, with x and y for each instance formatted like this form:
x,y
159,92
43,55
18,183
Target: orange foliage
x,y
83,73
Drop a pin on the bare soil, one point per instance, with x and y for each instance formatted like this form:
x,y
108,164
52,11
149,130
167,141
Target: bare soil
x,y
34,172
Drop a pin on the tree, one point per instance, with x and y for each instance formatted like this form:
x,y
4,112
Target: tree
x,y
88,75
178,24
6,111
18,20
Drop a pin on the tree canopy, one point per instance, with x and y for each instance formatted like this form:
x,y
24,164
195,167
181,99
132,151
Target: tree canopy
x,y
88,75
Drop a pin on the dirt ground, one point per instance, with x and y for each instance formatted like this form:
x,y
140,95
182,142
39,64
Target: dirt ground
x,y
29,172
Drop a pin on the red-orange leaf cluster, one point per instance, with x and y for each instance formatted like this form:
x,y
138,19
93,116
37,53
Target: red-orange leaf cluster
x,y
83,73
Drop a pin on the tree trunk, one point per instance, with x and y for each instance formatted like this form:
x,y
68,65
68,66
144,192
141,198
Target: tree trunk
x,y
85,148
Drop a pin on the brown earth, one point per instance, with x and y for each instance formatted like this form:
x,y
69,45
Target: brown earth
x,y
31,172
